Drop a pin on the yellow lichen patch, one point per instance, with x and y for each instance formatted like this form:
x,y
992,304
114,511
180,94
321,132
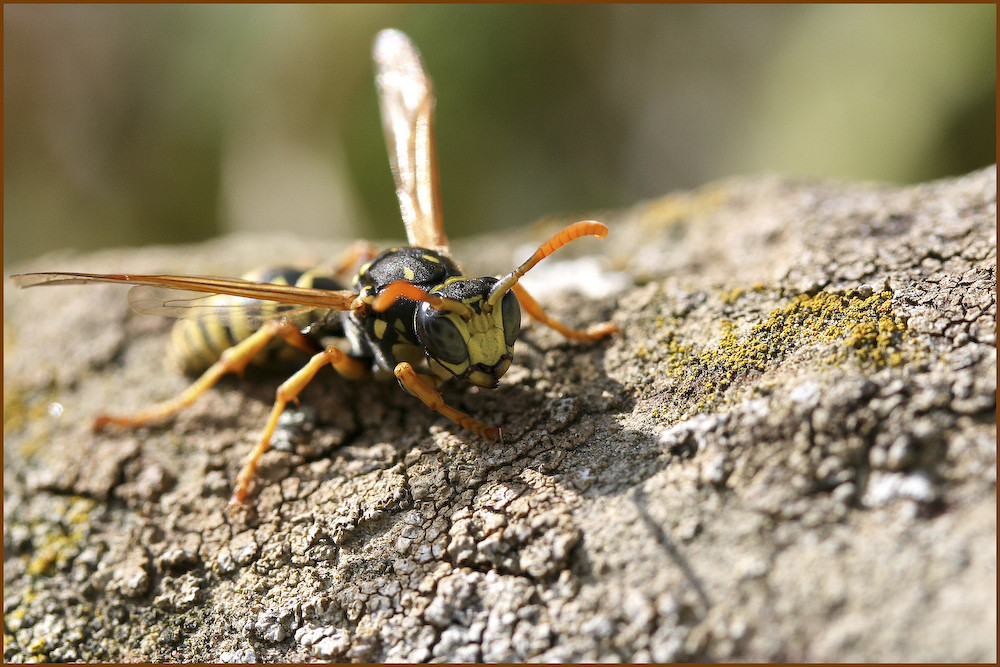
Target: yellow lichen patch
x,y
864,324
14,410
677,356
12,622
665,348
59,547
876,342
854,326
730,297
21,410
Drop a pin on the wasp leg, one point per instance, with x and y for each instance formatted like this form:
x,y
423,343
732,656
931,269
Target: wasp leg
x,y
412,382
595,332
233,360
347,366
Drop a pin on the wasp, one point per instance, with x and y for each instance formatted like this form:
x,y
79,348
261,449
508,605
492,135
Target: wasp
x,y
410,311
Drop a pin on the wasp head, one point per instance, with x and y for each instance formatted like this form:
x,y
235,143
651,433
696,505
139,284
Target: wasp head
x,y
474,342
468,325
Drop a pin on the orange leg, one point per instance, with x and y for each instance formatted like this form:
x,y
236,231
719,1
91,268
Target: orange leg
x,y
233,360
596,332
411,381
289,390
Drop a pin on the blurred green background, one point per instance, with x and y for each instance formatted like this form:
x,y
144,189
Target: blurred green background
x,y
140,124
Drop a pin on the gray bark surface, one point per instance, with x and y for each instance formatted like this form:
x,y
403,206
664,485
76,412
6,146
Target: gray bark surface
x,y
788,453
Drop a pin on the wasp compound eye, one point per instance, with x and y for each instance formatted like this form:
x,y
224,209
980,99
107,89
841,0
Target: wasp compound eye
x,y
440,335
511,312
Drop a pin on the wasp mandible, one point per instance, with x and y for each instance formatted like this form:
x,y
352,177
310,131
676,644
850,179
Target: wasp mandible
x,y
408,308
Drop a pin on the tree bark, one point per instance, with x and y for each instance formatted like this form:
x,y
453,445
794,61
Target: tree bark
x,y
788,453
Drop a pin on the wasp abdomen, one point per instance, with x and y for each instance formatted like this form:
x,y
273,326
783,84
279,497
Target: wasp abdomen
x,y
199,340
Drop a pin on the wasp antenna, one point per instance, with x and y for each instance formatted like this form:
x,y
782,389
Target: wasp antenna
x,y
567,234
401,288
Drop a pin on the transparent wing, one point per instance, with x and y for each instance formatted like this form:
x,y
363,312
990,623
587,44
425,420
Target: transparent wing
x,y
171,302
406,99
157,300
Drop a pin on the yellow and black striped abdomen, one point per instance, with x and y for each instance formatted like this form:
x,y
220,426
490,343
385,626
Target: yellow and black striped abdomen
x,y
197,341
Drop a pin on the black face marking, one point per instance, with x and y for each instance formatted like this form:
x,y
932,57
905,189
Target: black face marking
x,y
472,291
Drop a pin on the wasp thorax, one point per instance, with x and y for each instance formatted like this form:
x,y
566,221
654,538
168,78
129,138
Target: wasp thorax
x,y
474,344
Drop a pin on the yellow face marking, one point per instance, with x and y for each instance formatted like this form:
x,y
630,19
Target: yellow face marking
x,y
485,342
380,326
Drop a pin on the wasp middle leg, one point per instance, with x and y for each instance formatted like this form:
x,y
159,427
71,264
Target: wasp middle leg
x,y
347,366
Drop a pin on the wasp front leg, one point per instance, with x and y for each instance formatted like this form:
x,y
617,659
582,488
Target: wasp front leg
x,y
532,307
347,366
413,383
233,360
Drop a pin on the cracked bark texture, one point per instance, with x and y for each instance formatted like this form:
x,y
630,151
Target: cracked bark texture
x,y
789,453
